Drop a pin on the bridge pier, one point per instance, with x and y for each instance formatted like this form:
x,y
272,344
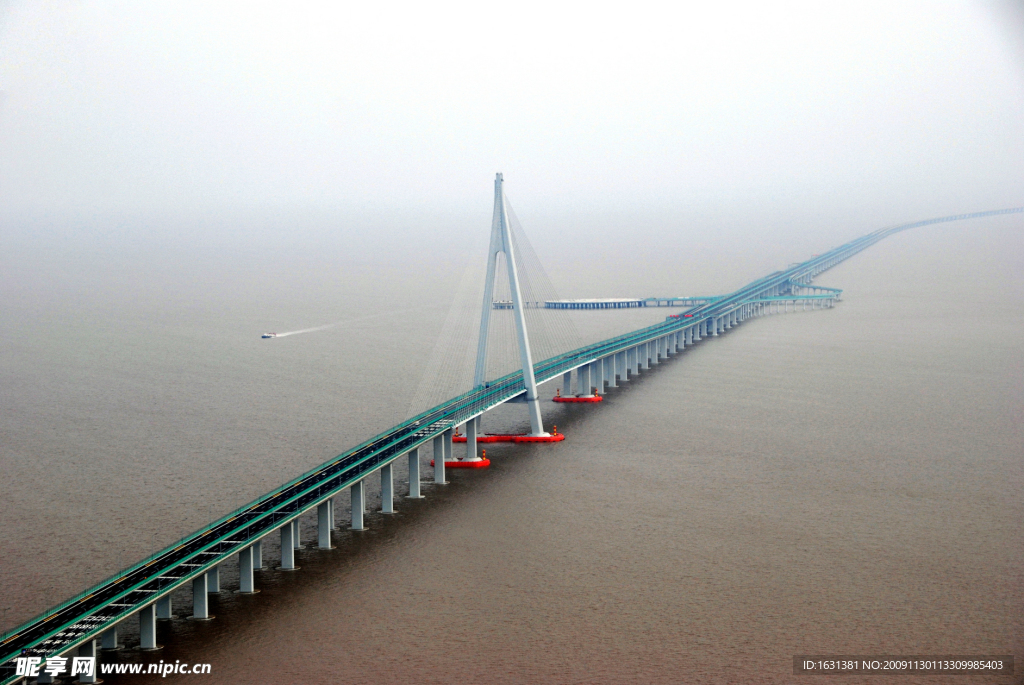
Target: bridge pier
x,y
387,490
439,456
414,474
358,494
609,370
583,387
163,608
566,384
620,366
108,640
200,598
449,452
288,547
472,430
89,649
147,627
213,579
714,327
257,556
246,582
323,525
597,377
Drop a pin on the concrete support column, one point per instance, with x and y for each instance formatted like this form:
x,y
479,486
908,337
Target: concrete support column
x,y
330,515
387,490
449,452
288,547
358,492
655,350
414,474
567,383
472,426
147,628
609,370
257,555
89,649
200,599
213,579
438,444
596,377
714,327
296,534
246,582
583,386
108,640
323,525
621,366
164,609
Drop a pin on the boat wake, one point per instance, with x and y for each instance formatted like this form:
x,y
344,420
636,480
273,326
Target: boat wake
x,y
332,325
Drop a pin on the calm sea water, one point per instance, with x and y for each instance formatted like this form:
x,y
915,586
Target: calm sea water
x,y
841,481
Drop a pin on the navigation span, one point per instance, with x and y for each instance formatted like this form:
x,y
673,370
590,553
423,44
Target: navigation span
x,y
82,624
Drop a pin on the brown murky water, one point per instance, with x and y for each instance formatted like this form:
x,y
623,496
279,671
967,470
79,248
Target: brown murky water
x,y
842,481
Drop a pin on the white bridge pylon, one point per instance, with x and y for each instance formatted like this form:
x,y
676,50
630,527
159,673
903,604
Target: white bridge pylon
x,y
501,242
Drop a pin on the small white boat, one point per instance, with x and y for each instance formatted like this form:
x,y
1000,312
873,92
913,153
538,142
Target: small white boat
x,y
270,335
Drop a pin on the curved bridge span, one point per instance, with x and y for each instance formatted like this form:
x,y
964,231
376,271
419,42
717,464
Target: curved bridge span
x,y
144,589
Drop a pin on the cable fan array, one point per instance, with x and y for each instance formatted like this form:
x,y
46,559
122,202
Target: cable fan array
x,y
449,371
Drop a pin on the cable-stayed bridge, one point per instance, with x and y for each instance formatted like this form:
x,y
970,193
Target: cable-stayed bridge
x,y
81,624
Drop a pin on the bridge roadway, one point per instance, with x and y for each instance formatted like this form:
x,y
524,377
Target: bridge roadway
x,y
83,618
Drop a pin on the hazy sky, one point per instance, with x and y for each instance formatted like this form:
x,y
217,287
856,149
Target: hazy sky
x,y
911,108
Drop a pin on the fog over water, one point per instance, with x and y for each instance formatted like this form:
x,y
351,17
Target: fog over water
x,y
176,180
